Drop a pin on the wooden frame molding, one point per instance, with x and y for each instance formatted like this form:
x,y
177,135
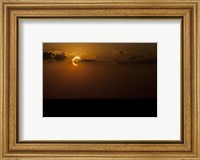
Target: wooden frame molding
x,y
12,11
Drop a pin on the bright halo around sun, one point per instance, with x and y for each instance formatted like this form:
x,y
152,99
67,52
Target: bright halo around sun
x,y
74,59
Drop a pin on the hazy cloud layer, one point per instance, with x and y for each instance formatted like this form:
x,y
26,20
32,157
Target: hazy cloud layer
x,y
115,57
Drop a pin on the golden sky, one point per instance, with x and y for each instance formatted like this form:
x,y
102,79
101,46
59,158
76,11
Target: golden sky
x,y
104,51
106,70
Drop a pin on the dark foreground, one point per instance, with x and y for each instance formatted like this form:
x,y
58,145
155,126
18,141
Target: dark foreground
x,y
100,107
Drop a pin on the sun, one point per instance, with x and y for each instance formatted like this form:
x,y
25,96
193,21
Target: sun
x,y
74,59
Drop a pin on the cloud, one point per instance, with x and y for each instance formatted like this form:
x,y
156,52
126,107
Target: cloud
x,y
148,58
133,57
137,61
88,60
48,56
54,55
114,57
60,57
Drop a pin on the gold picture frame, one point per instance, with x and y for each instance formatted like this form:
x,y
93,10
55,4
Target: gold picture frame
x,y
12,11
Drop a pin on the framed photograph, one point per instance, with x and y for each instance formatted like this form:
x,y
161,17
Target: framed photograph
x,y
105,75
98,79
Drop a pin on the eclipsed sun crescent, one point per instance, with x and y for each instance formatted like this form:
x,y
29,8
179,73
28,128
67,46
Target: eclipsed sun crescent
x,y
74,59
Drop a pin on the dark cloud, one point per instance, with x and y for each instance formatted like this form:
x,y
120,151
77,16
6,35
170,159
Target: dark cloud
x,y
60,57
88,60
54,55
121,52
143,61
131,57
48,56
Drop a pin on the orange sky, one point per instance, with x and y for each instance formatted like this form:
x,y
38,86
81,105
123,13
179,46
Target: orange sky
x,y
106,70
103,50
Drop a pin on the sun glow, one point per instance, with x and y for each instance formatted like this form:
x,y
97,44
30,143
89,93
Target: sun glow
x,y
74,59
